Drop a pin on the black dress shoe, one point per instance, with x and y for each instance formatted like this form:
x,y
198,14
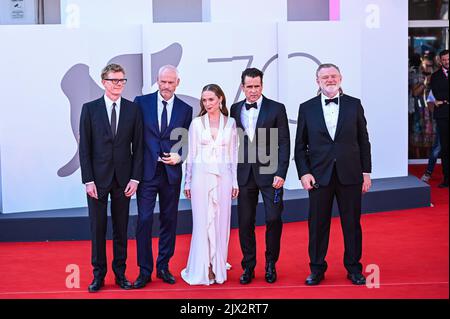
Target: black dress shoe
x,y
247,276
141,281
271,273
123,282
315,278
96,284
357,278
166,276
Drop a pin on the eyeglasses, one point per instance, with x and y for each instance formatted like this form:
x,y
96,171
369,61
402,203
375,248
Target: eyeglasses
x,y
117,81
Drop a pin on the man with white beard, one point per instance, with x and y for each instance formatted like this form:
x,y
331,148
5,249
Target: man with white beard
x,y
332,155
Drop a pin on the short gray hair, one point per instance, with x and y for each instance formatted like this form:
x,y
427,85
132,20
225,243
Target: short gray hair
x,y
326,66
167,67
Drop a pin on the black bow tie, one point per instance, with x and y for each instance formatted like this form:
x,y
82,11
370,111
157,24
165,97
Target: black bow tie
x,y
328,101
249,106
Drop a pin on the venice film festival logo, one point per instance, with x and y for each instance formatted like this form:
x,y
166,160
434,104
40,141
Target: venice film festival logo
x,y
79,87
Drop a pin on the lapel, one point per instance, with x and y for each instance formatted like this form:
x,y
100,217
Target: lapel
x,y
341,115
122,116
104,115
265,109
239,113
443,77
153,112
172,117
318,110
219,131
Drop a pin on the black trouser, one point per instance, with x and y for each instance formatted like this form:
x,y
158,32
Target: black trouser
x,y
98,219
319,221
247,202
442,124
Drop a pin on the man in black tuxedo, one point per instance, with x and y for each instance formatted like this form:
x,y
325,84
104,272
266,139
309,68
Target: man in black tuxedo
x,y
332,155
439,87
163,112
111,164
265,126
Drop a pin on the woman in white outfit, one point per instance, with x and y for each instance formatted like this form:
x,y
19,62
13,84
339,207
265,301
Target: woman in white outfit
x,y
211,184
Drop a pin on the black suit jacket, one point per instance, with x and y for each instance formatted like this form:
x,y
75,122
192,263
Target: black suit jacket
x,y
271,115
439,86
316,152
101,156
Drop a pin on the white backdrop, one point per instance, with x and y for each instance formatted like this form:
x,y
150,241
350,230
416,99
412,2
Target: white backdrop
x,y
35,128
199,42
36,137
298,61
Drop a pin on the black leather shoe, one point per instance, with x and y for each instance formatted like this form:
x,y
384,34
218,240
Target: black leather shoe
x,y
271,272
247,276
123,282
315,278
96,284
357,278
166,276
141,281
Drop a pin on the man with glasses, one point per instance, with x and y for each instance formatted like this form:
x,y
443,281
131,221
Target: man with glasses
x,y
111,158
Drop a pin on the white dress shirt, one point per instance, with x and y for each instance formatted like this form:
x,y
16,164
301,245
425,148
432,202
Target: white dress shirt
x,y
161,108
249,118
109,104
169,108
331,114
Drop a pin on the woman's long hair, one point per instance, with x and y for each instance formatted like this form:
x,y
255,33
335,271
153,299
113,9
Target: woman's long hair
x,y
219,93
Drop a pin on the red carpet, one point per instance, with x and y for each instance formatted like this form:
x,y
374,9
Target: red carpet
x,y
410,247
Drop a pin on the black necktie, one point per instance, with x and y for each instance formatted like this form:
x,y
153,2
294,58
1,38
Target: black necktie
x,y
164,117
249,106
113,120
328,101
